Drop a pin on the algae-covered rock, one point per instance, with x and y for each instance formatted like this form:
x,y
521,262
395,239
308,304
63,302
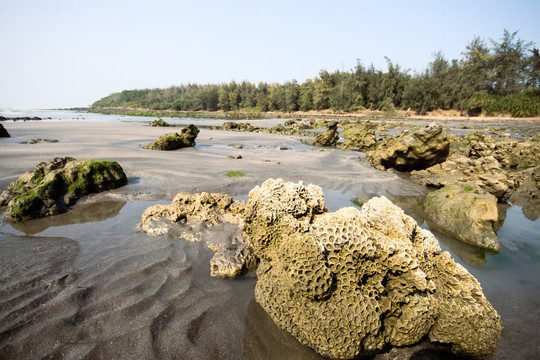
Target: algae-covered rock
x,y
189,216
360,137
54,185
352,281
159,123
3,131
411,151
173,141
465,212
328,138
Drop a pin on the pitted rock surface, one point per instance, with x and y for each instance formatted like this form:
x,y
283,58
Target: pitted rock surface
x,y
192,217
351,282
411,151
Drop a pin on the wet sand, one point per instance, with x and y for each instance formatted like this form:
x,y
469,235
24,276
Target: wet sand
x,y
89,284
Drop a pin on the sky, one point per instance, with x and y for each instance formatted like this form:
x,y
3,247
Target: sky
x,y
62,54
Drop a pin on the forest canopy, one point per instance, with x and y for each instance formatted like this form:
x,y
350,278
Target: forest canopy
x,y
495,76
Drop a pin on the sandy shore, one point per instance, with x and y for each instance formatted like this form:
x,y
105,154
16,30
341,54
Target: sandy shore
x,y
89,284
160,174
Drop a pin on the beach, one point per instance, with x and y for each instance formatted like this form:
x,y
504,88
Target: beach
x,y
90,284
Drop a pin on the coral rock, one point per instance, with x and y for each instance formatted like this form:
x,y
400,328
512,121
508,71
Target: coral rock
x,y
351,282
328,138
190,215
466,213
412,151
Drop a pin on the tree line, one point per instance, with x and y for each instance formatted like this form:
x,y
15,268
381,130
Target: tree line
x,y
494,76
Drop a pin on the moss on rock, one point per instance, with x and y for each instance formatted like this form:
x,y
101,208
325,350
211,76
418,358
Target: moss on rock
x,y
53,186
173,141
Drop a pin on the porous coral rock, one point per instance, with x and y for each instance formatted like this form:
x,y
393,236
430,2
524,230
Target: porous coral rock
x,y
353,281
411,151
190,215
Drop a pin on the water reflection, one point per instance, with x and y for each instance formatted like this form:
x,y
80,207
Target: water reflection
x,y
78,214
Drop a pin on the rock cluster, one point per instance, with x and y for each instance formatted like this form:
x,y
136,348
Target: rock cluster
x,y
54,185
504,168
466,213
173,141
328,138
3,131
190,215
159,123
411,151
485,172
353,281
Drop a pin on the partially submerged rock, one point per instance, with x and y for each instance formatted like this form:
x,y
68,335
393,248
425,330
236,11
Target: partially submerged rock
x,y
411,151
328,138
3,131
466,213
485,172
189,216
353,281
159,123
54,185
233,126
173,141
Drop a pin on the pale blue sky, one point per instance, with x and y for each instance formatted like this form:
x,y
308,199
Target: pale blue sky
x,y
70,53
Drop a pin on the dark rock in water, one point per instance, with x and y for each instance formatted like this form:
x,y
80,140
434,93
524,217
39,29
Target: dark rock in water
x,y
3,131
465,212
173,141
190,215
328,138
37,141
54,185
411,151
351,282
159,122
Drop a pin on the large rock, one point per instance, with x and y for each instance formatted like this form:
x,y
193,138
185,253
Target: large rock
x,y
466,213
54,185
360,137
3,131
328,138
353,281
411,151
189,216
173,141
485,172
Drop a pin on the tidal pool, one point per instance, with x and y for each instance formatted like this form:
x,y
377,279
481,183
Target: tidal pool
x,y
90,284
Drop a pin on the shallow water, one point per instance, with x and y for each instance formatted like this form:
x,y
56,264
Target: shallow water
x,y
95,286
